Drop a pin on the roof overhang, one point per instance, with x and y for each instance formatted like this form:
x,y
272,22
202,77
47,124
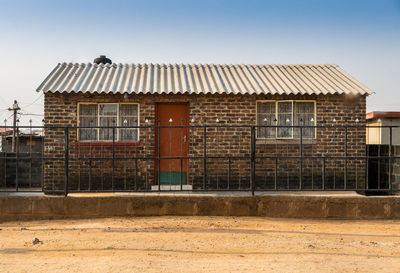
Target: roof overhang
x,y
382,114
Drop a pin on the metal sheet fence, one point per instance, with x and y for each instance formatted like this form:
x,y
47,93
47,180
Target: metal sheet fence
x,y
220,157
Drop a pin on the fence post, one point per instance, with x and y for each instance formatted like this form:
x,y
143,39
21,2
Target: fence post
x,y
345,158
390,157
204,157
136,173
158,156
113,159
379,167
181,174
66,161
323,171
90,174
252,160
366,170
229,172
16,150
301,157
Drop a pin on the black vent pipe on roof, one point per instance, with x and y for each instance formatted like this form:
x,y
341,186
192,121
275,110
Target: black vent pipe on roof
x,y
102,60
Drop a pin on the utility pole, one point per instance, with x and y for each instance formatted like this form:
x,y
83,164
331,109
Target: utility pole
x,y
15,109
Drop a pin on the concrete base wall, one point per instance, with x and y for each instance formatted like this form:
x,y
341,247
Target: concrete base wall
x,y
289,206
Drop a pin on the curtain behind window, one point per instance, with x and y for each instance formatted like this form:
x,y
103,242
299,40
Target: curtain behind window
x,y
304,115
108,117
266,116
88,118
128,116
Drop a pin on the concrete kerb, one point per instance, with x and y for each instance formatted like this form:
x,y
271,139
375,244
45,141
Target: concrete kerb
x,y
284,206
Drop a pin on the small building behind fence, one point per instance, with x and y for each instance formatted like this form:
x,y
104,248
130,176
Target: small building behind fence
x,y
223,127
379,140
23,162
376,134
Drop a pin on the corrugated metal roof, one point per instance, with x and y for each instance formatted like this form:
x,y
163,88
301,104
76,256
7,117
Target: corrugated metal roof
x,y
201,79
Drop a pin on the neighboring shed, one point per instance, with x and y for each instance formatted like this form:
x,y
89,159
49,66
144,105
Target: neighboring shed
x,y
25,162
27,143
381,135
378,140
129,95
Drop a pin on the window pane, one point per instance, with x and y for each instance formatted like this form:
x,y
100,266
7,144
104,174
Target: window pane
x,y
127,121
108,118
128,117
304,115
107,134
266,119
88,121
266,107
88,134
128,110
108,109
88,118
266,116
108,121
285,119
306,107
284,107
88,109
128,135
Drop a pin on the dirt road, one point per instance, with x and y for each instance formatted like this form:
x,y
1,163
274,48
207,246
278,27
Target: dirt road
x,y
200,244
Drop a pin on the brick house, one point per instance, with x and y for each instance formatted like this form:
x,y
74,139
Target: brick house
x,y
102,94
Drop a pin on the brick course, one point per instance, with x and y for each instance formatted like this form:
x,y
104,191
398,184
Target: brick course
x,y
61,110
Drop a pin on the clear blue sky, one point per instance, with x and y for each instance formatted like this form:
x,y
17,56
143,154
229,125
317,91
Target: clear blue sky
x,y
363,37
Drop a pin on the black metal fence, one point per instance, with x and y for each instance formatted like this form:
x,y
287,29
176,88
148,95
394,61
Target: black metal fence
x,y
215,157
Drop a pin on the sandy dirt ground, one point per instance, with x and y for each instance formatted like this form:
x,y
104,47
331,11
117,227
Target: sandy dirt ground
x,y
200,244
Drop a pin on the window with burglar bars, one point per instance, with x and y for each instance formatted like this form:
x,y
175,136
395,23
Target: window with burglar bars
x,y
286,113
108,115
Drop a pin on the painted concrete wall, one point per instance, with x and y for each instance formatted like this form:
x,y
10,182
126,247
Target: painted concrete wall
x,y
382,135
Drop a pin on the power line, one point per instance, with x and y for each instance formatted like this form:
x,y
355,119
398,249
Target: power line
x,y
26,106
31,114
4,102
9,116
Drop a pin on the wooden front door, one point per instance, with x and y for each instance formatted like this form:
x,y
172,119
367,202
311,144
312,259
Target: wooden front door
x,y
173,142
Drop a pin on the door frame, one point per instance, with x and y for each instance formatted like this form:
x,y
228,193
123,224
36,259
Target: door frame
x,y
187,114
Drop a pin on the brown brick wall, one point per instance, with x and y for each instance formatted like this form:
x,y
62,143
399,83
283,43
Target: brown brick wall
x,y
61,110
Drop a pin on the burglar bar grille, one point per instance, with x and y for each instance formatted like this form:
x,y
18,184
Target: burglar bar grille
x,y
222,157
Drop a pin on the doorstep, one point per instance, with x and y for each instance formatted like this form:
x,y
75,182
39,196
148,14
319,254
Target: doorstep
x,y
172,187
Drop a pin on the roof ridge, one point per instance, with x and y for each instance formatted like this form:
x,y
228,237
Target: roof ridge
x,y
203,64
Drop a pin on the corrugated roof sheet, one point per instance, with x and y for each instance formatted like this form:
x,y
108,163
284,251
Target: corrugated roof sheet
x,y
201,79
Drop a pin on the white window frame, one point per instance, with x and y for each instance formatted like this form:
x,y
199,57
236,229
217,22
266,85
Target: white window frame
x,y
98,121
292,118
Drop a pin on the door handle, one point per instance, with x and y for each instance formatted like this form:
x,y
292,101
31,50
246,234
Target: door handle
x,y
184,138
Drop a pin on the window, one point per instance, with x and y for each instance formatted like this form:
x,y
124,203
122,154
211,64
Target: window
x,y
108,115
285,113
